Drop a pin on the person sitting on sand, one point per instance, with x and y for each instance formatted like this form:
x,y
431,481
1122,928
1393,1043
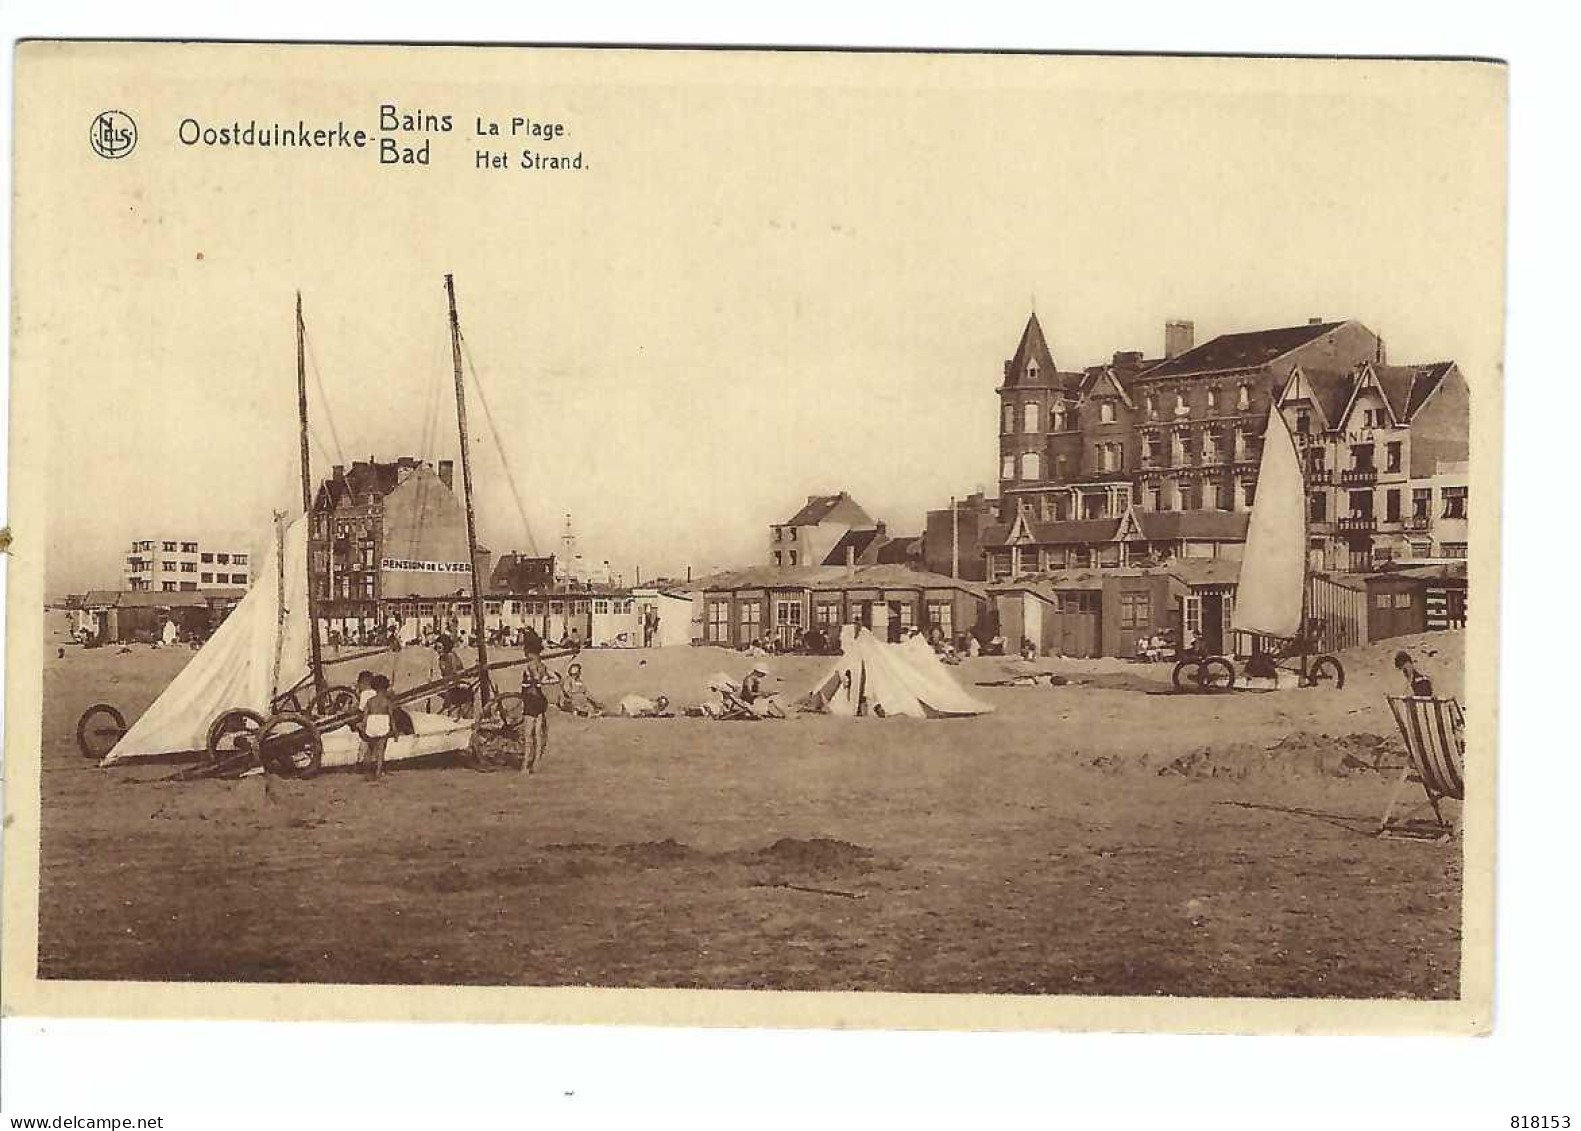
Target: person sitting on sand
x,y
641,707
759,701
1029,650
1420,685
574,697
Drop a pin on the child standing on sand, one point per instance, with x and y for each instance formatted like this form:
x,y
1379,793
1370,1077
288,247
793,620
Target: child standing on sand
x,y
375,724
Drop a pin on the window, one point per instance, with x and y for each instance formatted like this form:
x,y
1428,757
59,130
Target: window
x,y
1190,496
778,558
168,587
1401,600
790,557
1059,416
1316,459
1032,371
1029,417
206,579
188,586
168,547
1303,423
751,617
189,547
1031,466
719,622
779,533
1249,493
1361,457
1421,502
601,607
1243,398
1154,451
1383,600
791,534
1392,456
1106,412
1317,507
827,614
189,567
1454,502
1453,549
1136,610
1152,406
1007,467
908,613
1008,424
1391,506
168,567
1213,399
1224,496
1181,407
1155,497
1361,504
223,559
941,614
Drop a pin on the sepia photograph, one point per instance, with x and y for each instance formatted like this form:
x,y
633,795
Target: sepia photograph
x,y
936,540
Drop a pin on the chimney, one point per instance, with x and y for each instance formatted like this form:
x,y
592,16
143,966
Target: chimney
x,y
447,472
1179,336
883,528
340,471
1127,359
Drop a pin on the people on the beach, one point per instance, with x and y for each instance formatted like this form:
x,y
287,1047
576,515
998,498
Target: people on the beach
x,y
536,676
374,725
760,701
574,695
1419,684
641,707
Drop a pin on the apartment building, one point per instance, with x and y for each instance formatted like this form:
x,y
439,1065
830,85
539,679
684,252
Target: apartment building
x,y
184,565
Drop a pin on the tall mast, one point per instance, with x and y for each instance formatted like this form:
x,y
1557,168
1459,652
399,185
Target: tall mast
x,y
307,501
466,485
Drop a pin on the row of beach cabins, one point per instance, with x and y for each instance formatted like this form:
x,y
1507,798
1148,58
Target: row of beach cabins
x,y
1076,612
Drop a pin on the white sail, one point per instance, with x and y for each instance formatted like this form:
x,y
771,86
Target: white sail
x,y
237,666
1273,568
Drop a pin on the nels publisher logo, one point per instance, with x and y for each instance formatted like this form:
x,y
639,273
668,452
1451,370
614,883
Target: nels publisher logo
x,y
113,134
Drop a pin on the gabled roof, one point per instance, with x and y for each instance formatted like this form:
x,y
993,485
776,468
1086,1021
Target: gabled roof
x,y
1331,391
364,478
899,551
1231,352
1407,386
854,543
1157,526
826,508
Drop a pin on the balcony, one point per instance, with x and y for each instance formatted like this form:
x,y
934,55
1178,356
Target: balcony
x,y
1358,477
1356,524
1416,522
1319,477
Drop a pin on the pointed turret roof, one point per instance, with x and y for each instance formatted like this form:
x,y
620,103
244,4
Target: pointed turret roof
x,y
1034,349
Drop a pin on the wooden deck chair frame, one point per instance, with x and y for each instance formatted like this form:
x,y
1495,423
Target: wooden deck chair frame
x,y
736,708
1433,731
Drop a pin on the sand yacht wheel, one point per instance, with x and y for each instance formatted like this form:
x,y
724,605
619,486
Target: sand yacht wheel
x,y
337,699
1326,671
233,732
1209,673
289,744
99,729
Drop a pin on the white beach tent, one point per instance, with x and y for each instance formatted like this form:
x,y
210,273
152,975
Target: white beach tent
x,y
894,679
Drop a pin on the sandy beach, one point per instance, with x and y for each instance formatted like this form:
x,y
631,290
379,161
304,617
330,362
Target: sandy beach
x,y
1104,837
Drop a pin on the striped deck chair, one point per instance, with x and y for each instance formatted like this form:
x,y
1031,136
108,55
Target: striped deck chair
x,y
1433,731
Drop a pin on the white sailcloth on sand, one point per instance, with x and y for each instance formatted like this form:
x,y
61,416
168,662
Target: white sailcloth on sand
x,y
237,667
1273,567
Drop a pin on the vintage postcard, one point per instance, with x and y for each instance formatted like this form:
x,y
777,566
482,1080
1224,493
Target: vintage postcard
x,y
754,538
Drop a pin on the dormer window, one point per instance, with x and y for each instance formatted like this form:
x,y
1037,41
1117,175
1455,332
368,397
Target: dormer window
x,y
1303,424
1032,371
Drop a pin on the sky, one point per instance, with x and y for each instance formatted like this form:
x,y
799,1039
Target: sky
x,y
778,274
